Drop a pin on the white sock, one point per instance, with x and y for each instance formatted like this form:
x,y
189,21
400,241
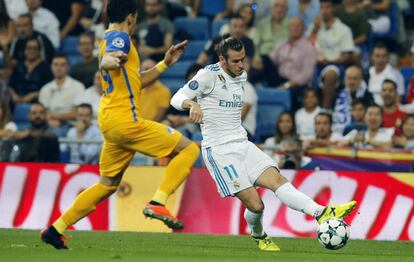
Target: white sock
x,y
254,220
296,200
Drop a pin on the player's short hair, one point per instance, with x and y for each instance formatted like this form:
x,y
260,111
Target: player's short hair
x,y
118,10
229,43
390,81
85,105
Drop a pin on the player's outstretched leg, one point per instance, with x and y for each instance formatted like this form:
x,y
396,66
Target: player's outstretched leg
x,y
297,200
84,204
176,172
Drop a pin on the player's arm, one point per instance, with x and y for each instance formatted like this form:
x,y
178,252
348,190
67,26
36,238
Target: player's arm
x,y
117,48
171,57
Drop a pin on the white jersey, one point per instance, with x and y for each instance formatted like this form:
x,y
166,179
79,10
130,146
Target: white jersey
x,y
220,97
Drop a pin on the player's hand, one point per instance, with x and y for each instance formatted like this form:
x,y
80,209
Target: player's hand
x,y
113,60
196,115
174,53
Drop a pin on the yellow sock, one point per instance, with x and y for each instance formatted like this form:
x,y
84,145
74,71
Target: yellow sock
x,y
84,204
177,171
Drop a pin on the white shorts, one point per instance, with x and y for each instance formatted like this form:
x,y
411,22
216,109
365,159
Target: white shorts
x,y
236,166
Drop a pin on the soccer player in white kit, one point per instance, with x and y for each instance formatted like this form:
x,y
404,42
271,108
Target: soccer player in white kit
x,y
237,165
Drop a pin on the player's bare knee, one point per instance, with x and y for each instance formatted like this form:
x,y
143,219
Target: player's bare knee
x,y
255,205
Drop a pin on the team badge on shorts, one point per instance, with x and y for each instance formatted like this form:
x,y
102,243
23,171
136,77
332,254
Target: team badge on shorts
x,y
170,130
193,85
118,42
236,184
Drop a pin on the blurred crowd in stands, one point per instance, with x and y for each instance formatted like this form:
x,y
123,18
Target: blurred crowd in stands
x,y
341,72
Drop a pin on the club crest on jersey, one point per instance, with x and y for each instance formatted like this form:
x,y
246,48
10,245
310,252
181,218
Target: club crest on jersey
x,y
193,85
236,184
118,42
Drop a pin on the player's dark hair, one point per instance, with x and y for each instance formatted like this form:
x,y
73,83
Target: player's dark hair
x,y
389,81
229,43
118,10
85,105
328,115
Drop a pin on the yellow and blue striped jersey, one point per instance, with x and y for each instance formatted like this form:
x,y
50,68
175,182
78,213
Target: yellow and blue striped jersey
x,y
121,88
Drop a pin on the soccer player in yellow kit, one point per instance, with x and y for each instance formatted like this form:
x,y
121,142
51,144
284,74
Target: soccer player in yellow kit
x,y
124,131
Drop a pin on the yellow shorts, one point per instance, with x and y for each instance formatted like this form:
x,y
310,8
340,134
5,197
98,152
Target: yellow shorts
x,y
146,137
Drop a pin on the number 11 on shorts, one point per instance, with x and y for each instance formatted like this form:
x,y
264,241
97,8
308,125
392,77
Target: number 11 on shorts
x,y
230,169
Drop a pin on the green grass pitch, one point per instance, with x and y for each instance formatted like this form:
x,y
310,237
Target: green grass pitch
x,y
25,245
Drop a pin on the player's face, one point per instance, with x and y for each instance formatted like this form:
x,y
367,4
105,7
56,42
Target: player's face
x,y
322,127
373,118
408,128
234,64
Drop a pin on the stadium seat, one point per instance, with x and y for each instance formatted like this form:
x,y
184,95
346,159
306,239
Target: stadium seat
x,y
198,27
20,115
193,50
173,84
211,8
69,45
178,70
216,27
270,104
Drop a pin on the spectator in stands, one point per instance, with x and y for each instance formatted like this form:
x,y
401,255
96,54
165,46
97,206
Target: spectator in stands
x,y
59,95
177,8
292,63
355,18
374,136
7,126
44,21
307,10
305,117
246,12
84,71
357,115
412,55
271,30
381,70
30,74
237,30
393,116
377,12
155,32
69,13
84,130
323,133
354,88
92,95
406,139
16,8
155,98
7,29
335,48
285,129
24,32
39,143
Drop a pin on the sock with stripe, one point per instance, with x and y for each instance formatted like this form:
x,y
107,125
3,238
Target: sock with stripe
x,y
177,171
84,204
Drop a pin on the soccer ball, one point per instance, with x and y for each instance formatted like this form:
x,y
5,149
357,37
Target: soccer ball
x,y
333,233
